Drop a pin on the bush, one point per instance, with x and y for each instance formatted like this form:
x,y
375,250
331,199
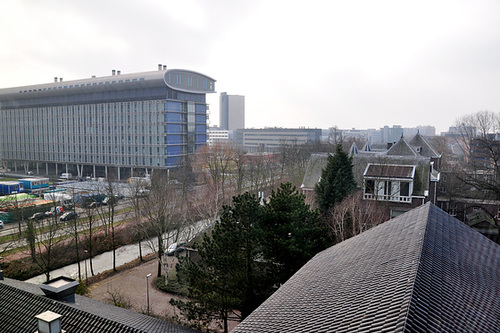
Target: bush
x,y
82,288
173,286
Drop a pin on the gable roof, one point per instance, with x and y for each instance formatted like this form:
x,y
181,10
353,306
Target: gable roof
x,y
402,148
20,302
423,271
425,148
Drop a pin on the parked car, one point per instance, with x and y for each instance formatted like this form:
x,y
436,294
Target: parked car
x,y
94,204
54,211
175,248
109,200
68,204
143,192
1,224
68,216
37,216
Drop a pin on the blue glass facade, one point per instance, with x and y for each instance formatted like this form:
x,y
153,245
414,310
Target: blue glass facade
x,y
150,119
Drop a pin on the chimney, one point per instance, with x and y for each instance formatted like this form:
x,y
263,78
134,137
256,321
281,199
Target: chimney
x,y
60,289
113,72
159,67
55,78
49,322
164,67
93,76
60,79
118,72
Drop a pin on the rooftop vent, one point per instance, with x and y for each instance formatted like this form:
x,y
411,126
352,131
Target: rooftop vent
x,y
164,67
49,322
159,67
60,289
113,72
60,79
118,72
55,78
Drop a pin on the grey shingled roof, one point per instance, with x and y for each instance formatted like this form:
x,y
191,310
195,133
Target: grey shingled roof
x,y
389,171
20,302
402,148
423,271
317,162
426,149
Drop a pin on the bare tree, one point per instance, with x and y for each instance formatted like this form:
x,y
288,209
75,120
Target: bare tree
x,y
479,137
293,161
239,170
354,215
49,244
214,164
89,243
161,217
138,191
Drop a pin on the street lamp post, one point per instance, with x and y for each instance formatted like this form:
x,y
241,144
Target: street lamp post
x,y
85,263
147,289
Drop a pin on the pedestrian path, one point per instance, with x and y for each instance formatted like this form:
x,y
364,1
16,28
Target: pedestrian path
x,y
124,254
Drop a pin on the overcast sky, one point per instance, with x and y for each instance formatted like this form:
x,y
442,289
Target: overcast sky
x,y
349,63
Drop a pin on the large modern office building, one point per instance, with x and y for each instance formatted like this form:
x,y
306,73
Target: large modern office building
x,y
117,123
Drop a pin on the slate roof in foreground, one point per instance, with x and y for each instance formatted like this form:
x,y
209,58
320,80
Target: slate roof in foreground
x,y
423,271
20,302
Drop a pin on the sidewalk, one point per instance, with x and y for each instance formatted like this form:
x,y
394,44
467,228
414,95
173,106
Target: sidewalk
x,y
131,286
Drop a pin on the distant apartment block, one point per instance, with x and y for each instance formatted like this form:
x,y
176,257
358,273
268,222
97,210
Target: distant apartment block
x,y
215,134
385,135
121,122
232,112
270,139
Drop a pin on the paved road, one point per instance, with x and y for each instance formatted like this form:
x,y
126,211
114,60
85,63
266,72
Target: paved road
x,y
65,227
124,254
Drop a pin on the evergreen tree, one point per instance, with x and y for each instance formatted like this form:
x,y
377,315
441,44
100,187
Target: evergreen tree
x,y
292,233
227,276
337,180
250,251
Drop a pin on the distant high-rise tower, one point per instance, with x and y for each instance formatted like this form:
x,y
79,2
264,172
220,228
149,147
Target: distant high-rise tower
x,y
232,112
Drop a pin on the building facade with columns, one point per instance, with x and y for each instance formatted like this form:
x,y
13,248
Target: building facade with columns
x,y
118,123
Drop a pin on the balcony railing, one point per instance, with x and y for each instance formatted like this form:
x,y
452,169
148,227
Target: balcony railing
x,y
384,197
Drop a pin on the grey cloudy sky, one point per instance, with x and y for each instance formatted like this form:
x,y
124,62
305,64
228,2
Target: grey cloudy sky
x,y
349,63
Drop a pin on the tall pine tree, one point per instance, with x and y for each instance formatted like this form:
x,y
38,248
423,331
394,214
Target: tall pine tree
x,y
292,233
337,180
227,277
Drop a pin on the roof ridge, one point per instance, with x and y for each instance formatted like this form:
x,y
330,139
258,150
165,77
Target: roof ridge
x,y
427,206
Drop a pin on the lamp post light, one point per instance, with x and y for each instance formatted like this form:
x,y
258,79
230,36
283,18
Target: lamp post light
x,y
85,263
147,289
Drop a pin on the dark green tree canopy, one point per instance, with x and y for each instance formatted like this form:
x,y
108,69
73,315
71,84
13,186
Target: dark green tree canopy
x,y
337,180
250,251
292,233
227,277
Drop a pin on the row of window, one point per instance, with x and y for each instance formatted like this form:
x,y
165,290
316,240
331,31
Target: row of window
x,y
81,85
